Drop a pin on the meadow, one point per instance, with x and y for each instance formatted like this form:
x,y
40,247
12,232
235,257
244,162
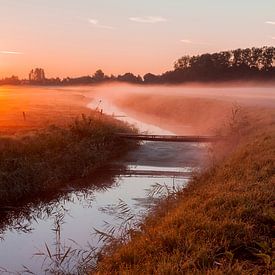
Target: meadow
x,y
57,140
23,109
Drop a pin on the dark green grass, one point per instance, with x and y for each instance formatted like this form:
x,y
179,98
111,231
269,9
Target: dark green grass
x,y
48,159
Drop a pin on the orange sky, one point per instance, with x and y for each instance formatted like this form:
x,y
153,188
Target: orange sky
x,y
72,38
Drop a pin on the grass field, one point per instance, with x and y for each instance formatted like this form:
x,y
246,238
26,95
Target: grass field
x,y
58,141
42,107
222,222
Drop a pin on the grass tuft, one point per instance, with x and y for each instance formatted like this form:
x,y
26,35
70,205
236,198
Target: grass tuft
x,y
47,159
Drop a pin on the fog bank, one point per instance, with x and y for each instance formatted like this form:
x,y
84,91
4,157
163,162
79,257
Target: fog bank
x,y
187,109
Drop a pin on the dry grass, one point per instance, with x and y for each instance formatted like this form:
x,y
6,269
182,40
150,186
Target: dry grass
x,y
221,223
42,107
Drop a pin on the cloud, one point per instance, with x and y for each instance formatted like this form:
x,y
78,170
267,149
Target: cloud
x,y
106,27
10,52
270,22
95,22
148,19
187,41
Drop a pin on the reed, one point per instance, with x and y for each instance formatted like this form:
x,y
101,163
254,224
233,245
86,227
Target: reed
x,y
48,159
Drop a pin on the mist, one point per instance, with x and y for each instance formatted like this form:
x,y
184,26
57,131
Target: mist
x,y
185,109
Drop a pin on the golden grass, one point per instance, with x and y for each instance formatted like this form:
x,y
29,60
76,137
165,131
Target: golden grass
x,y
221,223
42,107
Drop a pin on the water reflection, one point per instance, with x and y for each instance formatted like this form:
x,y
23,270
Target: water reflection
x,y
20,218
26,229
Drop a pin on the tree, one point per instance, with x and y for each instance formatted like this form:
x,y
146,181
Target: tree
x,y
13,80
99,76
256,58
237,58
129,77
150,78
37,75
268,57
239,64
183,62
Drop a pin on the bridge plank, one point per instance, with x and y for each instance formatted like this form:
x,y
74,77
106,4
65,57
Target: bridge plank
x,y
169,138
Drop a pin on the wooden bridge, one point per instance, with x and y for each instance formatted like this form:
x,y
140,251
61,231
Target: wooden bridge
x,y
151,173
170,138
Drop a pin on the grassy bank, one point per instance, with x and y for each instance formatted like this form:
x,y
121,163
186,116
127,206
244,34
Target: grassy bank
x,y
47,159
221,223
200,115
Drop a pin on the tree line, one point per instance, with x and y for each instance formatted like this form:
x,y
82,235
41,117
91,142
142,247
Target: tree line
x,y
240,64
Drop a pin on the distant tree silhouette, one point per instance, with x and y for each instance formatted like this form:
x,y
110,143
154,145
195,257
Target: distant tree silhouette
x,y
78,80
151,78
13,80
99,76
240,64
183,62
112,78
37,76
129,77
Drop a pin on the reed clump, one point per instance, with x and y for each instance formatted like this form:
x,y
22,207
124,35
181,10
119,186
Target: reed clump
x,y
50,158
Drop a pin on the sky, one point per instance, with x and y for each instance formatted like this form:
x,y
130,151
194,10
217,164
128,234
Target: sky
x,y
77,37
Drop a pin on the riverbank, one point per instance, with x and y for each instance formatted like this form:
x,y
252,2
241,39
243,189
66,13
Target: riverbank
x,y
47,159
221,223
49,137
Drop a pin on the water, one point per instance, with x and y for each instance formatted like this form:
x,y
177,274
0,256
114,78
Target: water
x,y
85,207
110,109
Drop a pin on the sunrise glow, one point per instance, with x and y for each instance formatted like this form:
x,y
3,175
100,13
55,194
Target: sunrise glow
x,y
71,38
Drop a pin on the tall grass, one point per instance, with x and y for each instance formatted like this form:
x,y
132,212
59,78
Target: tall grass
x,y
66,257
221,223
49,158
